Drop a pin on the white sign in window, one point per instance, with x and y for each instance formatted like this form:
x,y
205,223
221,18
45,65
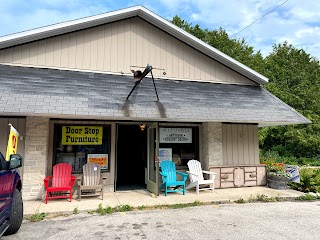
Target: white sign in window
x,y
175,135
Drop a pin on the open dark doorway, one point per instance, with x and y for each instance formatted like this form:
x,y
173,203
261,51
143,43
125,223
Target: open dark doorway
x,y
131,157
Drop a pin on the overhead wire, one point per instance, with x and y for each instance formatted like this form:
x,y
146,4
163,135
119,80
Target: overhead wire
x,y
259,18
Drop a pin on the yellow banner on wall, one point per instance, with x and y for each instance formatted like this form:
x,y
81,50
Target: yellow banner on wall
x,y
82,135
12,146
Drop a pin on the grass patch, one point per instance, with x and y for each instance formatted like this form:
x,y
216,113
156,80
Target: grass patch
x,y
184,205
308,197
141,207
103,211
123,208
240,200
75,210
261,198
37,217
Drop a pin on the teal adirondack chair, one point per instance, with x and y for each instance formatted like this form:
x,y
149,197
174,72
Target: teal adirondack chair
x,y
169,178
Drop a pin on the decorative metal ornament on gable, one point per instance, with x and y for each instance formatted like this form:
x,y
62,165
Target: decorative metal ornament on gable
x,y
138,76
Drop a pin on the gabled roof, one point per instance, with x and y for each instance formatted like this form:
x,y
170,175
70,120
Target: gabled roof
x,y
72,94
165,25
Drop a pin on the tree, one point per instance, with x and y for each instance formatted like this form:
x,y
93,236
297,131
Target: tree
x,y
219,39
294,78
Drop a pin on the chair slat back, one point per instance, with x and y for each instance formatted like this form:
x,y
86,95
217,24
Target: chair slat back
x,y
169,168
61,176
195,168
91,174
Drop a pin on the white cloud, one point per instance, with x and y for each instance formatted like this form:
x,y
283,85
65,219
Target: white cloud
x,y
295,21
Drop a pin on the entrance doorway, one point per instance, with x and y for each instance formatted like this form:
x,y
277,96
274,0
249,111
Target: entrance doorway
x,y
131,157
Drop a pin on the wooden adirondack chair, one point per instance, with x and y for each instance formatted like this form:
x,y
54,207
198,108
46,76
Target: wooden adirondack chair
x,y
196,176
91,183
169,178
61,182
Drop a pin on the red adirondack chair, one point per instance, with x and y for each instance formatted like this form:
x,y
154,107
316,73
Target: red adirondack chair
x,y
61,182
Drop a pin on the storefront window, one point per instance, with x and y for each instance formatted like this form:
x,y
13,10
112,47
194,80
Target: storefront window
x,y
79,144
179,144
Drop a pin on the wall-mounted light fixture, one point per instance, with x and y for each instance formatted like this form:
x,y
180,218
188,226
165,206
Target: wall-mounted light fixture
x,y
142,127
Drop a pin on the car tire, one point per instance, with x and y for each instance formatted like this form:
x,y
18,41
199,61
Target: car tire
x,y
16,215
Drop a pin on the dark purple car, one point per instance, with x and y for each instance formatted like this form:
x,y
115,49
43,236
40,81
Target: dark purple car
x,y
11,205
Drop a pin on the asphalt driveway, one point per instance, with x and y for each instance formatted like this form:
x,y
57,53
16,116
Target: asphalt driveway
x,y
280,220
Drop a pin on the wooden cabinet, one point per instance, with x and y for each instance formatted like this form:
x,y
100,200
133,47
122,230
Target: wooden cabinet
x,y
239,176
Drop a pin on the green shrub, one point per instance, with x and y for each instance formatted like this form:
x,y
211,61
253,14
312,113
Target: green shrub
x,y
240,200
103,211
309,180
123,208
307,197
37,217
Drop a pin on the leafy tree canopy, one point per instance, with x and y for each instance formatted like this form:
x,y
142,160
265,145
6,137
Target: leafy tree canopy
x,y
294,77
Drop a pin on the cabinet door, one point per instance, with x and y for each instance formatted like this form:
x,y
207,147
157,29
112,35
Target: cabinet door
x,y
238,176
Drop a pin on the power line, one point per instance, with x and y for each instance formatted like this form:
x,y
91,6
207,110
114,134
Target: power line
x,y
259,18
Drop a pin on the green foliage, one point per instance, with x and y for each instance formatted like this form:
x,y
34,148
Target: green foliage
x,y
308,197
261,198
265,157
294,77
240,200
103,211
75,210
219,38
309,180
184,205
142,207
37,217
123,208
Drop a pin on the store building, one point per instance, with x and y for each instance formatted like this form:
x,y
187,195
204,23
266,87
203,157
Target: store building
x,y
66,88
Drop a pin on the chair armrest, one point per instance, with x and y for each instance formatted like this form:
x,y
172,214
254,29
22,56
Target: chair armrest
x,y
193,174
73,178
46,181
79,180
212,174
208,172
184,175
103,179
163,174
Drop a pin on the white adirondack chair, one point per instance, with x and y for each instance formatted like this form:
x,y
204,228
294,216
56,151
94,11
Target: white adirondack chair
x,y
196,176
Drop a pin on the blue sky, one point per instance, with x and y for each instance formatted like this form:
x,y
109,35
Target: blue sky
x,y
296,21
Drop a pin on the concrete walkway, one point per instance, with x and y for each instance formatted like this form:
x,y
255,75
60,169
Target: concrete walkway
x,y
137,198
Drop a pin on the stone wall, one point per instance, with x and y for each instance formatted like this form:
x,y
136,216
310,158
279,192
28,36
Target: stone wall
x,y
211,144
36,155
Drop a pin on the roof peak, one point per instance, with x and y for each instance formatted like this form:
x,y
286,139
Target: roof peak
x,y
135,11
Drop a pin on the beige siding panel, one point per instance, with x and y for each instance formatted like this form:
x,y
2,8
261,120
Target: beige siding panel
x,y
107,48
240,144
72,50
79,50
87,49
41,53
114,47
127,44
246,144
57,51
133,42
120,52
256,144
49,52
34,48
229,146
234,140
93,48
65,51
